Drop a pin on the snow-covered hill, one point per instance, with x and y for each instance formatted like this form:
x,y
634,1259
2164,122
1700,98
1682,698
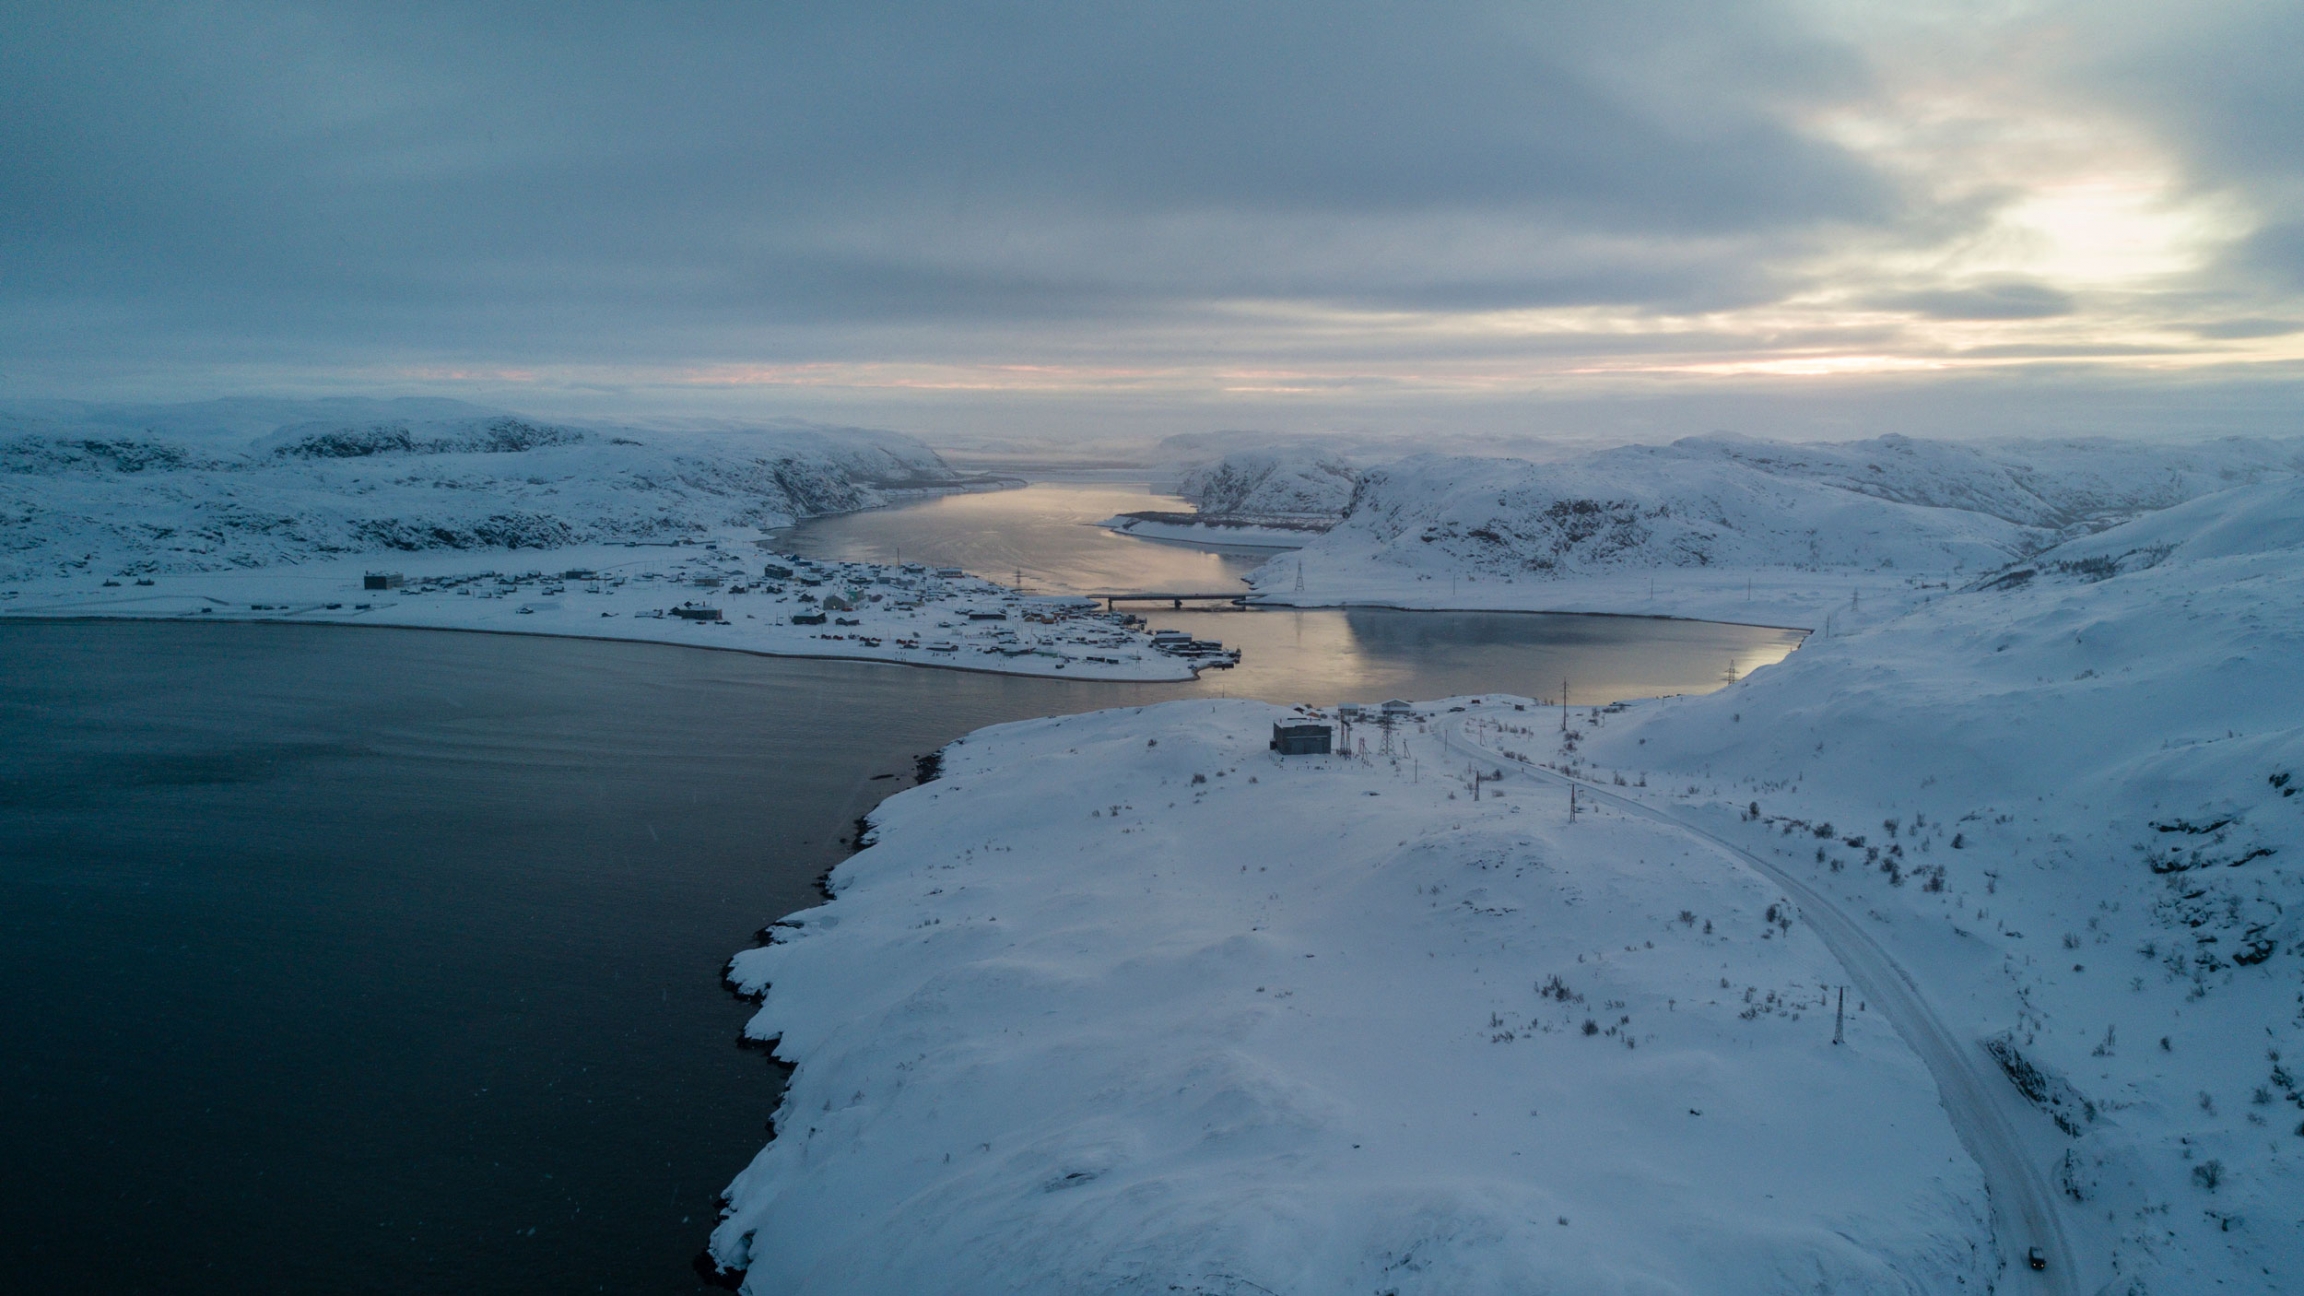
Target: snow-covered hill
x,y
1125,1002
2070,797
1736,529
129,491
1261,499
1306,486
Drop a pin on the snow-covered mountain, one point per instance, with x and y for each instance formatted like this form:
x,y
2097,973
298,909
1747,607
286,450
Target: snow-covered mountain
x,y
2070,796
131,491
1718,511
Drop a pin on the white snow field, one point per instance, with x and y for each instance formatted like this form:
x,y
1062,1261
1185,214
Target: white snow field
x,y
1737,530
2064,802
1125,1002
269,510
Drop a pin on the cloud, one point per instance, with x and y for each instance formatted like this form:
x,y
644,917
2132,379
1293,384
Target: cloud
x,y
2237,329
1436,197
2006,300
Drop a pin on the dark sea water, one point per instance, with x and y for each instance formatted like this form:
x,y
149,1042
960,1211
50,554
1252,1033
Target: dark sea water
x,y
368,960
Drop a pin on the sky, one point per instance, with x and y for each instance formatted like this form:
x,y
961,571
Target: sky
x,y
1076,222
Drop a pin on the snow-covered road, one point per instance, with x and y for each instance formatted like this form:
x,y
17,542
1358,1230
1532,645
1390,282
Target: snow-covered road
x,y
2024,1207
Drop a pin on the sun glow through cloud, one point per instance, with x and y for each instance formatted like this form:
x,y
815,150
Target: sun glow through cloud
x,y
1499,204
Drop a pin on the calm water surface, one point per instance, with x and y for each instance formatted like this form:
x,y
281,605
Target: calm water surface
x,y
1047,532
368,960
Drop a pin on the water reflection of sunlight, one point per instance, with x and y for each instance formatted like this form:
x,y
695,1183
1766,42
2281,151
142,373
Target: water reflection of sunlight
x,y
1046,531
1320,656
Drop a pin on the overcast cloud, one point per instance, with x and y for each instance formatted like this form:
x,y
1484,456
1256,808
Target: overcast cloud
x,y
1293,215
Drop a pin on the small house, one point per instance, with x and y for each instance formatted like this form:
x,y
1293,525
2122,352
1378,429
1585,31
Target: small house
x,y
776,571
1396,708
835,603
696,612
807,618
1298,738
382,580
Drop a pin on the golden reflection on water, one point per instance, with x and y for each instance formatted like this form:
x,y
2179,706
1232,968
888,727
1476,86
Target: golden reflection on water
x,y
1047,532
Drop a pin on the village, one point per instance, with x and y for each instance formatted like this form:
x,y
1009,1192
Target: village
x,y
702,594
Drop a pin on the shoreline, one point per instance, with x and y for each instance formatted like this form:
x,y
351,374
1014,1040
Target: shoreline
x,y
1349,604
182,619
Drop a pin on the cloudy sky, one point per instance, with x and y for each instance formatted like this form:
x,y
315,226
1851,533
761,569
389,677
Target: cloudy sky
x,y
1581,218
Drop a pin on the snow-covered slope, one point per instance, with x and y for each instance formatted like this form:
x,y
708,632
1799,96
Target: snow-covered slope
x,y
2070,799
1306,485
1263,499
1735,529
115,491
1124,1002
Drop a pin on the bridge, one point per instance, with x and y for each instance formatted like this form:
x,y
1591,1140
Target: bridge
x,y
1174,598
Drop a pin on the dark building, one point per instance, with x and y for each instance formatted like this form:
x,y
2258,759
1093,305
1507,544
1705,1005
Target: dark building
x,y
807,618
1301,739
691,612
382,580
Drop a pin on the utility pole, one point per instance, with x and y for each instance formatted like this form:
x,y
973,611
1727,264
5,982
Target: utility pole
x,y
1571,803
1299,575
1563,705
1840,1018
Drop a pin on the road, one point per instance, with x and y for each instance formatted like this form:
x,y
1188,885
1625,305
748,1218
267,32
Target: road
x,y
2025,1213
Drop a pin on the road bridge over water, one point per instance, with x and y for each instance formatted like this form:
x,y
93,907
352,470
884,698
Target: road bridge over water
x,y
1174,598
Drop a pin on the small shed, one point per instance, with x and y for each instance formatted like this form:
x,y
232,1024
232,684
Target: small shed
x,y
696,612
1300,738
807,618
382,580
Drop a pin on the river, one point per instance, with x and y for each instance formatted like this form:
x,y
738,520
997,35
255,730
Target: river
x,y
365,959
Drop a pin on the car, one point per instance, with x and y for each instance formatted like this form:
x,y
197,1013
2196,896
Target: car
x,y
2035,1259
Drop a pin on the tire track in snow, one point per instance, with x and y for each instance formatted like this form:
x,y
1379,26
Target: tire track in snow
x,y
2024,1208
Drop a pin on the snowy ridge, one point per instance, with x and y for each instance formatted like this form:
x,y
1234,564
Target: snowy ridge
x,y
2070,799
1704,525
1126,1002
101,491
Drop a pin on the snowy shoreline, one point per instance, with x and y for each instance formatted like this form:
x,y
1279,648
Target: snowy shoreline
x,y
713,595
1211,532
1771,598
